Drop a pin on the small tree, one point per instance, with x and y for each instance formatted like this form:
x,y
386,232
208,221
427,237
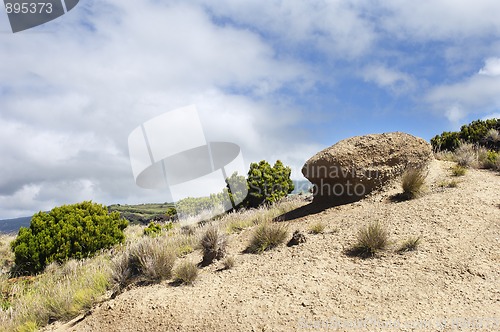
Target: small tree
x,y
268,184
68,231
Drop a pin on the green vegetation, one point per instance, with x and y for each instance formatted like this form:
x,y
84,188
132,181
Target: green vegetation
x,y
145,213
70,231
267,236
478,132
268,184
155,229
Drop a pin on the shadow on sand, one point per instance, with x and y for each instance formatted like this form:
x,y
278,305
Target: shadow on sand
x,y
313,208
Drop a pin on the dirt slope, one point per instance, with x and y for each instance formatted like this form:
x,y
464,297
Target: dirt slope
x,y
452,282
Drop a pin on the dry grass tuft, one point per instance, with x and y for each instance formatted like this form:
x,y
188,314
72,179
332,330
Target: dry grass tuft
x,y
213,244
186,273
466,155
458,170
410,244
317,228
370,240
267,236
228,262
413,182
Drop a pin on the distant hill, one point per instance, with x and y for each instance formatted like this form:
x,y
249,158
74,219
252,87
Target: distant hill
x,y
142,213
13,225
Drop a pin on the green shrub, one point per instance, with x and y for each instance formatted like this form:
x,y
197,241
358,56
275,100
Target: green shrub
x,y
268,184
267,236
371,239
488,159
155,229
413,182
477,132
186,273
69,231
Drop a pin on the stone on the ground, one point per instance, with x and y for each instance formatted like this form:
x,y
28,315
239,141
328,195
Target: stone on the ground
x,y
351,169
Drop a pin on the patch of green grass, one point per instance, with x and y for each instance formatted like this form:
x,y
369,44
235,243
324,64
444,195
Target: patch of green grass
x,y
267,236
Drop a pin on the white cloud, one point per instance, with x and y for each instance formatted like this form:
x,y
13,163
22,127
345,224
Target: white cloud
x,y
491,67
70,96
384,77
439,19
335,27
477,94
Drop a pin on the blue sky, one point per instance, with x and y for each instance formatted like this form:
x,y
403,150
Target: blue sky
x,y
283,79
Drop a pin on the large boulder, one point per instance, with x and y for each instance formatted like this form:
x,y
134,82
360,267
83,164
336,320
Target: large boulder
x,y
354,167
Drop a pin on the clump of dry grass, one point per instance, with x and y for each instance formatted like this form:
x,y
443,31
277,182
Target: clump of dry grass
x,y
370,240
147,260
266,236
186,273
6,254
317,228
213,244
410,244
466,155
413,182
458,170
228,262
448,184
60,292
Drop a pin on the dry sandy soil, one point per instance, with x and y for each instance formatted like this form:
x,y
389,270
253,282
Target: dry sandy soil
x,y
452,282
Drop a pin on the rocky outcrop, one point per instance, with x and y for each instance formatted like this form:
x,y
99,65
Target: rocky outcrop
x,y
354,167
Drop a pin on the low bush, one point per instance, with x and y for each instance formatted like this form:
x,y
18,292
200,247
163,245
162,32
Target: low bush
x,y
155,228
267,236
70,231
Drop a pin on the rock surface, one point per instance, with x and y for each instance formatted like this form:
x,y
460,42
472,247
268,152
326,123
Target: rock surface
x,y
354,167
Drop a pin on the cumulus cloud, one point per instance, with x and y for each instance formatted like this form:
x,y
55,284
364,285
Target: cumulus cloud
x,y
66,115
392,79
491,67
476,94
334,27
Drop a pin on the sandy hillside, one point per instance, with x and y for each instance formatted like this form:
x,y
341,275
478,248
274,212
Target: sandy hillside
x,y
452,282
